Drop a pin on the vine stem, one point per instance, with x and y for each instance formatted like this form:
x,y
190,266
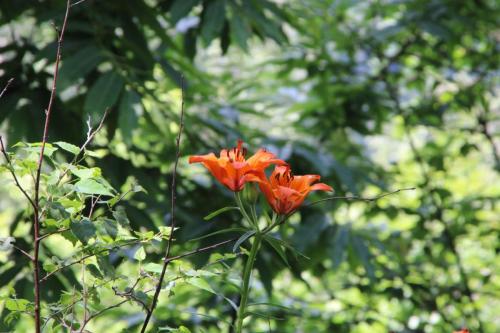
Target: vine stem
x,y
167,260
36,207
247,272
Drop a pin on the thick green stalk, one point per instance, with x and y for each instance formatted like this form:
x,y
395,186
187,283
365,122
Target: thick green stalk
x,y
245,289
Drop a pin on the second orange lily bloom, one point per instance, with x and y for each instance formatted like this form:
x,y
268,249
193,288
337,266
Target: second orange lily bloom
x,y
285,192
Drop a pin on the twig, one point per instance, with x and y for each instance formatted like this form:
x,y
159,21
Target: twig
x,y
90,136
36,219
357,198
6,87
77,3
53,233
202,249
98,313
14,176
84,296
29,256
149,313
85,257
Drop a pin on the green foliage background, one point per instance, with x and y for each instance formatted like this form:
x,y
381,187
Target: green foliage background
x,y
372,95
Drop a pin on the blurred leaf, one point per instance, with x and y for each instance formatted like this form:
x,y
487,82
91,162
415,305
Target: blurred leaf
x,y
121,216
102,95
78,65
181,8
129,111
213,20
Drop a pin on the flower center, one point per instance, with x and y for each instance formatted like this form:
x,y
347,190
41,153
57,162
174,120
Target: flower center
x,y
237,154
284,178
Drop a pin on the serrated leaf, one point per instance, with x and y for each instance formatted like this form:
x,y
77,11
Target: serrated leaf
x,y
140,254
90,186
68,147
16,304
121,216
85,173
243,238
84,230
218,232
219,211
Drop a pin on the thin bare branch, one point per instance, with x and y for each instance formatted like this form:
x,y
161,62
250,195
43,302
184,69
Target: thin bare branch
x,y
98,313
202,249
29,256
36,214
6,87
86,257
357,198
172,212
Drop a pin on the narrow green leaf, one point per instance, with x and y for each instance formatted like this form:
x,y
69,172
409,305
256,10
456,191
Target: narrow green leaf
x,y
277,247
94,271
218,212
243,238
213,20
223,231
181,8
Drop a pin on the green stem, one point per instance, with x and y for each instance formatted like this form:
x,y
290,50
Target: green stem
x,y
239,202
246,281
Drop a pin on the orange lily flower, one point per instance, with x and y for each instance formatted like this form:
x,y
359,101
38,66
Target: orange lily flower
x,y
285,192
233,170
